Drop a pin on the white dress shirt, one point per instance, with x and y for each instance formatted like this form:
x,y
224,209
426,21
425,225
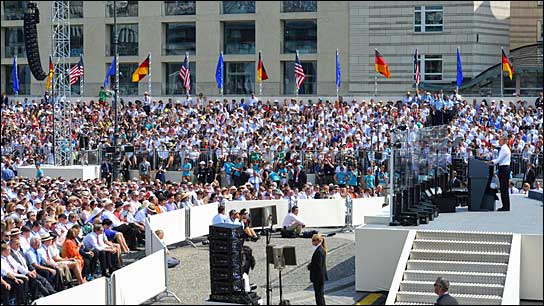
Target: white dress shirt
x,y
94,242
9,264
292,218
504,156
220,218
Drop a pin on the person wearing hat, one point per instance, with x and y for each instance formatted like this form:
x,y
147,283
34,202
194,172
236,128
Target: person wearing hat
x,y
201,173
51,252
19,212
128,231
36,257
38,285
246,222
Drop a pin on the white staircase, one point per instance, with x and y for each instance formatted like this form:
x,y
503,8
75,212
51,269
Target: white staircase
x,y
476,265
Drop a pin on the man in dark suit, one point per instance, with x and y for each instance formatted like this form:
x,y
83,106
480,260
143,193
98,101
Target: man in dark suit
x,y
455,182
300,177
318,268
530,175
105,171
441,286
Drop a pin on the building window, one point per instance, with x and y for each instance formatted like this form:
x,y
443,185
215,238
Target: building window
x,y
309,87
128,39
431,67
298,6
239,77
76,40
539,30
428,19
238,7
14,10
23,71
126,86
179,8
180,38
239,37
300,35
174,84
76,9
14,42
124,8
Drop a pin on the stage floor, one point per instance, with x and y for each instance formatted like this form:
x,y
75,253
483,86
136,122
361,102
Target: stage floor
x,y
525,217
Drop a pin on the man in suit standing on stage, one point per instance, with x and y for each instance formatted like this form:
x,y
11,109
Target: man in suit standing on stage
x,y
106,171
503,161
441,287
530,175
318,268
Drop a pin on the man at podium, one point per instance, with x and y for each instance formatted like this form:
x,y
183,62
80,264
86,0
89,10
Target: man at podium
x,y
503,161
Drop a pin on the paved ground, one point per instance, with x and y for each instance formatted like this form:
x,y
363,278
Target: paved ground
x,y
191,279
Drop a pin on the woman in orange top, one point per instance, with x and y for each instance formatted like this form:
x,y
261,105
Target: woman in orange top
x,y
70,248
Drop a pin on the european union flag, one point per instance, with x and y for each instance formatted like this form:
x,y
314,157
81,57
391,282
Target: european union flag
x,y
459,69
15,76
338,72
111,71
219,71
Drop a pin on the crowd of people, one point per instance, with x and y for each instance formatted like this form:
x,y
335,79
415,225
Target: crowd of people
x,y
55,231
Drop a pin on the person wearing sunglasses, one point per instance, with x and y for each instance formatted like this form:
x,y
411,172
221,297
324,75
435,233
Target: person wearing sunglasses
x,y
318,268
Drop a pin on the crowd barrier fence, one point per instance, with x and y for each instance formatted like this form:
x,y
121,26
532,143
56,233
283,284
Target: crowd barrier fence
x,y
125,285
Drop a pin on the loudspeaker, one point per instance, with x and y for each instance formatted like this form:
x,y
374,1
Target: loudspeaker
x,y
289,256
129,149
31,18
110,150
225,258
225,231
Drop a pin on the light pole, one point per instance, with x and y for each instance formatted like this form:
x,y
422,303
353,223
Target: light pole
x,y
116,157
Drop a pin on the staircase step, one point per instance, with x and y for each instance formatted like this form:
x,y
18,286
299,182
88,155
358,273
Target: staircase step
x,y
460,266
406,303
462,299
459,288
464,236
460,256
455,277
459,245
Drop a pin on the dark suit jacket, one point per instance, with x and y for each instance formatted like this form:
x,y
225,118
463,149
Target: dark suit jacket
x,y
455,183
530,177
446,299
318,266
103,171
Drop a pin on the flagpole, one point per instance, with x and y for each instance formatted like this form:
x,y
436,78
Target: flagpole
x,y
456,85
500,69
188,65
296,86
81,77
16,75
375,85
336,74
149,79
222,73
260,78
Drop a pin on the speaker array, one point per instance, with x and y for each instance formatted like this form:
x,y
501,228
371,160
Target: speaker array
x,y
31,18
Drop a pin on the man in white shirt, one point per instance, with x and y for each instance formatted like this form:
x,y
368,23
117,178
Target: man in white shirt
x,y
292,222
15,275
220,217
129,231
503,161
107,256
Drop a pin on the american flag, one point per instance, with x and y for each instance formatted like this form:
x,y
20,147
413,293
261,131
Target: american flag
x,y
299,72
77,71
185,74
416,68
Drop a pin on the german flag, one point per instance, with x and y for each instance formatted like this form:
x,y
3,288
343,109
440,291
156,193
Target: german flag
x,y
141,71
49,81
506,65
381,65
261,72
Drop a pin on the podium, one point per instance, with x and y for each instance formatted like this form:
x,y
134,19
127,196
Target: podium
x,y
481,196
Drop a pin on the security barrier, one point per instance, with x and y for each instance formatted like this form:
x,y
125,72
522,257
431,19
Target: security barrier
x,y
125,285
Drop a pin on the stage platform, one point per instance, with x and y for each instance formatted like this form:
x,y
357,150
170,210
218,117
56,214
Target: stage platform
x,y
377,261
525,217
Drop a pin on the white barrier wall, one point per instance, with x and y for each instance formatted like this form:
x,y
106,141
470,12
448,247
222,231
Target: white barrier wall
x,y
531,268
322,213
140,281
152,242
90,293
172,223
366,207
377,252
66,172
201,219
